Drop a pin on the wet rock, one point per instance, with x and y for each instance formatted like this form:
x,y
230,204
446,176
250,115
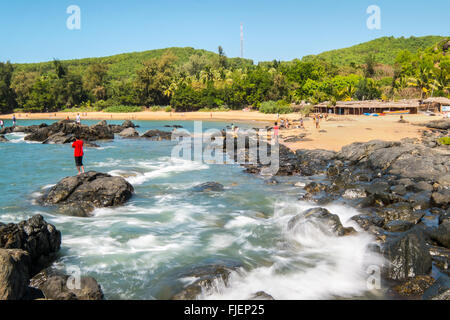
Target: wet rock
x,y
208,186
129,133
41,240
330,222
128,124
398,226
441,199
423,186
407,256
58,286
365,221
3,139
440,290
415,286
14,273
208,277
80,195
400,211
399,189
157,135
441,235
261,295
311,162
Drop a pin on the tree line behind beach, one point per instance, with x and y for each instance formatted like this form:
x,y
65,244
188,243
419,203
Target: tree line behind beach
x,y
185,79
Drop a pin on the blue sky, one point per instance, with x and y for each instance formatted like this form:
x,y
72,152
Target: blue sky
x,y
33,31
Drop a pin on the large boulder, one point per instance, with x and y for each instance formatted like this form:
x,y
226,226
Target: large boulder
x,y
80,195
58,286
41,240
441,235
14,273
157,135
328,221
407,256
129,133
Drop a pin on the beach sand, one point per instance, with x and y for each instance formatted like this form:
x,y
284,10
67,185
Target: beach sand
x,y
333,134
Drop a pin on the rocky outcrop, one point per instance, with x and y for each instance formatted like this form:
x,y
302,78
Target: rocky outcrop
x,y
208,186
80,195
407,256
41,240
3,139
326,219
415,286
157,135
14,273
116,128
65,131
58,286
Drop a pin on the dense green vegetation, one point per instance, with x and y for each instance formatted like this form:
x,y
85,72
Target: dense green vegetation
x,y
384,49
186,79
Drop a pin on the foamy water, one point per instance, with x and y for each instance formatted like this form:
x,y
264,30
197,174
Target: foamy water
x,y
141,250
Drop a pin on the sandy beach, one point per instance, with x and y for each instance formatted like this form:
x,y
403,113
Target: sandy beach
x,y
333,134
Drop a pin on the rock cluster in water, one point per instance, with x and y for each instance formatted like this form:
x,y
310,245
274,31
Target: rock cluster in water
x,y
26,250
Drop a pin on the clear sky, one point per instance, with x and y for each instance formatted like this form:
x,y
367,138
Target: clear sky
x,y
33,31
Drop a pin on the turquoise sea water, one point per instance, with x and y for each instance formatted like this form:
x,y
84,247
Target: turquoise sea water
x,y
140,250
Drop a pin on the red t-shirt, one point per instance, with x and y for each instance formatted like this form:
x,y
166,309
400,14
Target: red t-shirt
x,y
275,130
78,145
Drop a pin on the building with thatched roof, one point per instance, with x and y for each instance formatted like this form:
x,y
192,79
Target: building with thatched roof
x,y
372,106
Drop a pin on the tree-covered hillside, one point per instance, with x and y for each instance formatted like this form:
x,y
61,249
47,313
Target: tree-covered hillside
x,y
126,65
385,50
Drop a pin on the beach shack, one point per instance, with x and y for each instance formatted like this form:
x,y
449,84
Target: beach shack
x,y
369,107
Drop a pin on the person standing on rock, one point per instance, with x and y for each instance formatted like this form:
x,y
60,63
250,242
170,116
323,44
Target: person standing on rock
x,y
78,119
14,120
2,125
78,154
276,129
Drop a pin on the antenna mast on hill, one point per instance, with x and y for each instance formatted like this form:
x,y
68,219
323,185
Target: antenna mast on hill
x,y
242,41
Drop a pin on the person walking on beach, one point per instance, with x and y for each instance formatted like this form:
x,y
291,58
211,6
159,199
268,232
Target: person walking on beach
x,y
78,119
276,129
317,122
14,120
78,154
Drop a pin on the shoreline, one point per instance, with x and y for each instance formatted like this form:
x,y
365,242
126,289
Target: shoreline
x,y
333,134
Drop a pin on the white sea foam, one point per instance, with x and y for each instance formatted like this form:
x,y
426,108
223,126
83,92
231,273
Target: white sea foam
x,y
315,265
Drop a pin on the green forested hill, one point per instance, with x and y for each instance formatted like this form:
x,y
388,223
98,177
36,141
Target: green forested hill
x,y
127,64
385,50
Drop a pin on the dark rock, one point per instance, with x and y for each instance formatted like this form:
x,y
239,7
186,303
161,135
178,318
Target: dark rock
x,y
365,221
14,273
41,240
329,221
3,139
128,124
208,276
157,135
58,286
440,290
79,195
261,295
438,124
423,186
271,181
441,235
400,211
441,199
398,226
407,256
208,186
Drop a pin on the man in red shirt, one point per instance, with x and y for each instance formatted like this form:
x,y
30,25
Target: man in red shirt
x,y
78,153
